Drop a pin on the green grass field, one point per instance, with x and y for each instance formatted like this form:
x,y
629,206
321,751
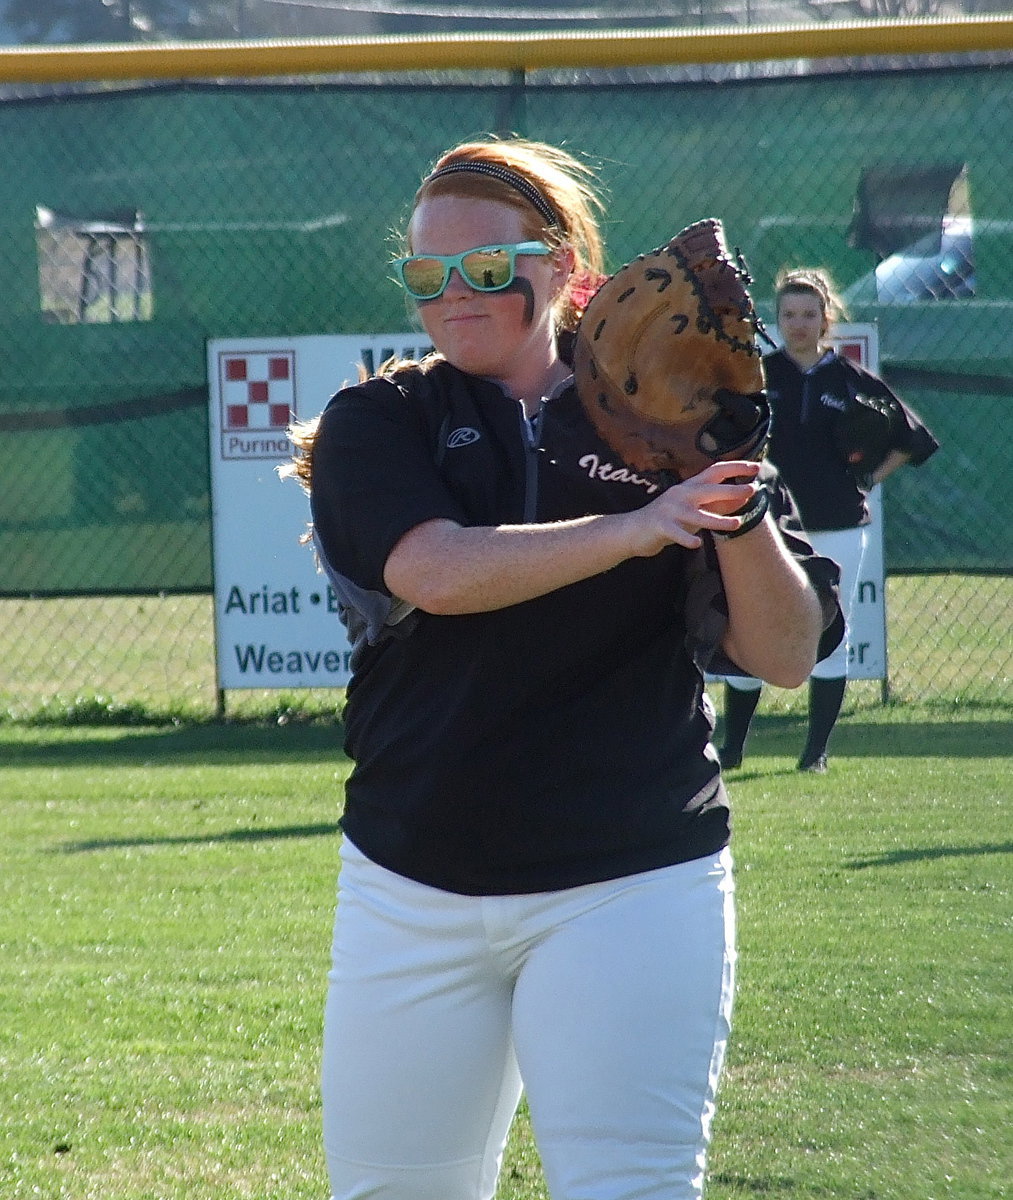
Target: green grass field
x,y
165,907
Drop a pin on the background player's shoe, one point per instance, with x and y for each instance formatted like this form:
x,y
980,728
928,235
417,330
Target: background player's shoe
x,y
814,764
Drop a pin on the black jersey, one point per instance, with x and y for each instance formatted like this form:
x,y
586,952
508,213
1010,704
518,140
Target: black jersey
x,y
556,742
805,406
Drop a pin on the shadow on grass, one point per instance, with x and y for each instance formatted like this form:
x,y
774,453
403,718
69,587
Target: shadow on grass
x,y
762,1185
248,742
855,737
327,829
894,858
212,744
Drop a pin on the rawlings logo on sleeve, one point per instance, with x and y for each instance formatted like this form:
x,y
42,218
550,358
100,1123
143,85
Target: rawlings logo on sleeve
x,y
464,435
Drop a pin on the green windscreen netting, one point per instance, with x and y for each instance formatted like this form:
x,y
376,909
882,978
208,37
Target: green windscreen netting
x,y
136,225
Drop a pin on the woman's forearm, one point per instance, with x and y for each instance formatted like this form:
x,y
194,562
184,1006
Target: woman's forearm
x,y
774,614
449,569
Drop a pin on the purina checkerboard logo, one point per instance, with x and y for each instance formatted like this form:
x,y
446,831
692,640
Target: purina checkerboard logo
x,y
258,402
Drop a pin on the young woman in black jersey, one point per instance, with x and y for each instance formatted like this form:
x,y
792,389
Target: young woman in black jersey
x,y
810,387
536,885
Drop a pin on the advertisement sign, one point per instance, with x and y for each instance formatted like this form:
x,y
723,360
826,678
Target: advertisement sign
x,y
867,634
276,623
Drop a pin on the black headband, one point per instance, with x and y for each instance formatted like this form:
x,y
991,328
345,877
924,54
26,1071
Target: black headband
x,y
511,178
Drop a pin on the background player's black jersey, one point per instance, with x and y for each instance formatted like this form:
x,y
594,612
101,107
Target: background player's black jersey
x,y
805,406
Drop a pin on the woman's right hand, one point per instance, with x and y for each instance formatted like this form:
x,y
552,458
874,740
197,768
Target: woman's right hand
x,y
704,501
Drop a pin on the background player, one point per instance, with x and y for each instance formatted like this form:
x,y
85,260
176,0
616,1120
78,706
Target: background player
x,y
810,387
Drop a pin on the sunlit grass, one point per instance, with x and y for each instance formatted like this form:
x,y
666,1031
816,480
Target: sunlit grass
x,y
165,907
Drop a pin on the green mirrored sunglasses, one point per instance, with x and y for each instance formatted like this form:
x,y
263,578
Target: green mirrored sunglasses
x,y
486,268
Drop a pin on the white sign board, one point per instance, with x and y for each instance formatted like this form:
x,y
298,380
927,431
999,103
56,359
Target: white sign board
x,y
867,632
276,623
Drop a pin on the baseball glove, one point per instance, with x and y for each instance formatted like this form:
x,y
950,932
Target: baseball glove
x,y
864,432
665,359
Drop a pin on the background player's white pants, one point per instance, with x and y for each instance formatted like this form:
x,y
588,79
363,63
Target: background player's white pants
x,y
847,548
614,999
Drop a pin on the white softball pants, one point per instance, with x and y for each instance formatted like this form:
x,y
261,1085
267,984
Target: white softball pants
x,y
847,548
611,1002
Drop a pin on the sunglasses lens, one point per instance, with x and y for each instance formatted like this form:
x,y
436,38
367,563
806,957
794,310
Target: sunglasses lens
x,y
488,269
423,277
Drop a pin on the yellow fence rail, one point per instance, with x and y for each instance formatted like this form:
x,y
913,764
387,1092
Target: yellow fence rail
x,y
507,51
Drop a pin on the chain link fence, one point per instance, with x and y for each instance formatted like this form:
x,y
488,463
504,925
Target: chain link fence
x,y
142,222
126,658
